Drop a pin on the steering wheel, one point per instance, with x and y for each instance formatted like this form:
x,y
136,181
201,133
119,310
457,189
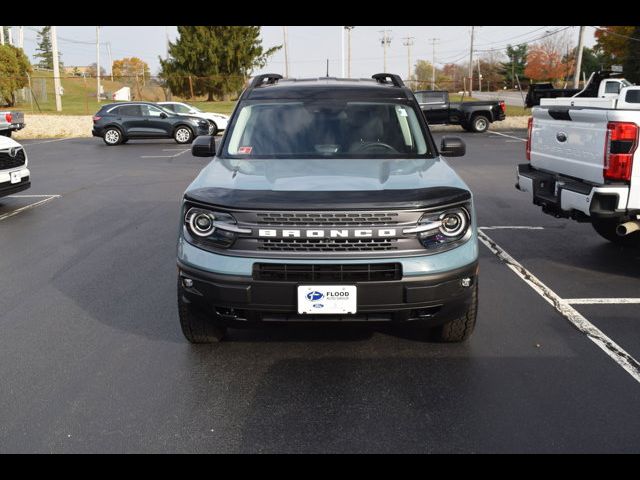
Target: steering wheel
x,y
371,145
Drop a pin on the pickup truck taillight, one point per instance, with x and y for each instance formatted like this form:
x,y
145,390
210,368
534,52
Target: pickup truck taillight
x,y
503,106
620,145
8,117
529,132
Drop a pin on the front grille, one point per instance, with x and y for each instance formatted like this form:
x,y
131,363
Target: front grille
x,y
7,161
327,244
337,219
371,272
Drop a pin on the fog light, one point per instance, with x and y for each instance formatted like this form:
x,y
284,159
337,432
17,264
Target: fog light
x,y
466,282
187,282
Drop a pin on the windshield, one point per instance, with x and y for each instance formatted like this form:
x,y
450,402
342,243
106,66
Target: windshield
x,y
314,129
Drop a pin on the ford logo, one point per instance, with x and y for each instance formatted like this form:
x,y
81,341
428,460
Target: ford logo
x,y
561,137
314,296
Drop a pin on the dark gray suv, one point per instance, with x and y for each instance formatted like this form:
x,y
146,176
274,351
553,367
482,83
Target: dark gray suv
x,y
116,123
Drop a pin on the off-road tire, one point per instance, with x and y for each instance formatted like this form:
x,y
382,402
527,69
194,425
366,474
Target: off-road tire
x,y
461,328
196,327
606,228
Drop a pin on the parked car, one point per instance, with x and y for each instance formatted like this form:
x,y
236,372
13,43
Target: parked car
x,y
10,122
349,214
582,163
473,116
14,174
116,123
217,121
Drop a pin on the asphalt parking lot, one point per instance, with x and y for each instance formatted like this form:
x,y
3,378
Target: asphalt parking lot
x,y
92,358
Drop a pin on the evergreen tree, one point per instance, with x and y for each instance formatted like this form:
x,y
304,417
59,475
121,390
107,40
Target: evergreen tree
x,y
213,60
516,64
44,49
631,62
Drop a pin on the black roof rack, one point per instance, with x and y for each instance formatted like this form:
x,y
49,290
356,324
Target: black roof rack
x,y
384,77
270,78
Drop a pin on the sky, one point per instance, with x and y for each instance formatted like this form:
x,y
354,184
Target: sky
x,y
309,46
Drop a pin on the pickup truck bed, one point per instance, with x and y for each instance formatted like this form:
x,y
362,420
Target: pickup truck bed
x,y
11,121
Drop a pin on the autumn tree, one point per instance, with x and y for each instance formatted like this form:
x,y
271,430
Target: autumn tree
x,y
548,60
213,60
612,42
129,68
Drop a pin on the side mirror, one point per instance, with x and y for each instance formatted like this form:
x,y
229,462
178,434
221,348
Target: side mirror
x,y
204,146
452,147
163,115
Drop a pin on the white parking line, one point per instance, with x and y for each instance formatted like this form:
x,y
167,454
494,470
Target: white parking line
x,y
182,151
601,301
593,333
47,141
27,207
508,136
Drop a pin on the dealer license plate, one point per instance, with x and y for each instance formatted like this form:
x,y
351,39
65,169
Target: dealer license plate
x,y
326,299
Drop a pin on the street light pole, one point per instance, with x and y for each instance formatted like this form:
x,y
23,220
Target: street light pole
x,y
348,29
386,41
56,67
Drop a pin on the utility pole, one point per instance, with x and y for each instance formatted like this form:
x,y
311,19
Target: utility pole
x,y
286,53
433,62
56,68
576,77
513,71
110,59
471,63
342,51
408,42
348,29
98,63
385,41
21,37
1,35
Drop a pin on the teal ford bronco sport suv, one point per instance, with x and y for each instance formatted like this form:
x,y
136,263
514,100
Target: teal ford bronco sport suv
x,y
327,201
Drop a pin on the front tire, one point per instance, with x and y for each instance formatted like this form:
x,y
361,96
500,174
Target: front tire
x,y
197,327
213,128
606,228
183,135
461,328
479,124
112,136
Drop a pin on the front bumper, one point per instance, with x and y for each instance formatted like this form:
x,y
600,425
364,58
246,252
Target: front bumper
x,y
8,188
567,197
240,300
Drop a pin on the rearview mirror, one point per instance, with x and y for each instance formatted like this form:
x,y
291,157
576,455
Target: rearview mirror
x,y
204,146
452,147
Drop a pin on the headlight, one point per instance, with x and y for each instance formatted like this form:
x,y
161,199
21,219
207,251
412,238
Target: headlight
x,y
445,229
209,228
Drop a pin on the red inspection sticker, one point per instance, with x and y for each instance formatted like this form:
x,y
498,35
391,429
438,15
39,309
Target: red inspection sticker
x,y
245,150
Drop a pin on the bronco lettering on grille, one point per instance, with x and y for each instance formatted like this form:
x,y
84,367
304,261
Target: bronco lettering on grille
x,y
337,233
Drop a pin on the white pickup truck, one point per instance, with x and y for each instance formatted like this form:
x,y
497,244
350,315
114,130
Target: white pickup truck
x,y
582,161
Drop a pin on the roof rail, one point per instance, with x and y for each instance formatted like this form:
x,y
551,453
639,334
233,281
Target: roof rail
x,y
270,78
382,78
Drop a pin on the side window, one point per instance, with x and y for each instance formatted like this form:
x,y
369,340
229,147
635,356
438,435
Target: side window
x,y
430,97
633,96
181,109
128,111
612,87
170,106
151,111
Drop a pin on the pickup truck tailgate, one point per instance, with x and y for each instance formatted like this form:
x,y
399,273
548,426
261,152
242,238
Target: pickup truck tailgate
x,y
570,142
17,117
